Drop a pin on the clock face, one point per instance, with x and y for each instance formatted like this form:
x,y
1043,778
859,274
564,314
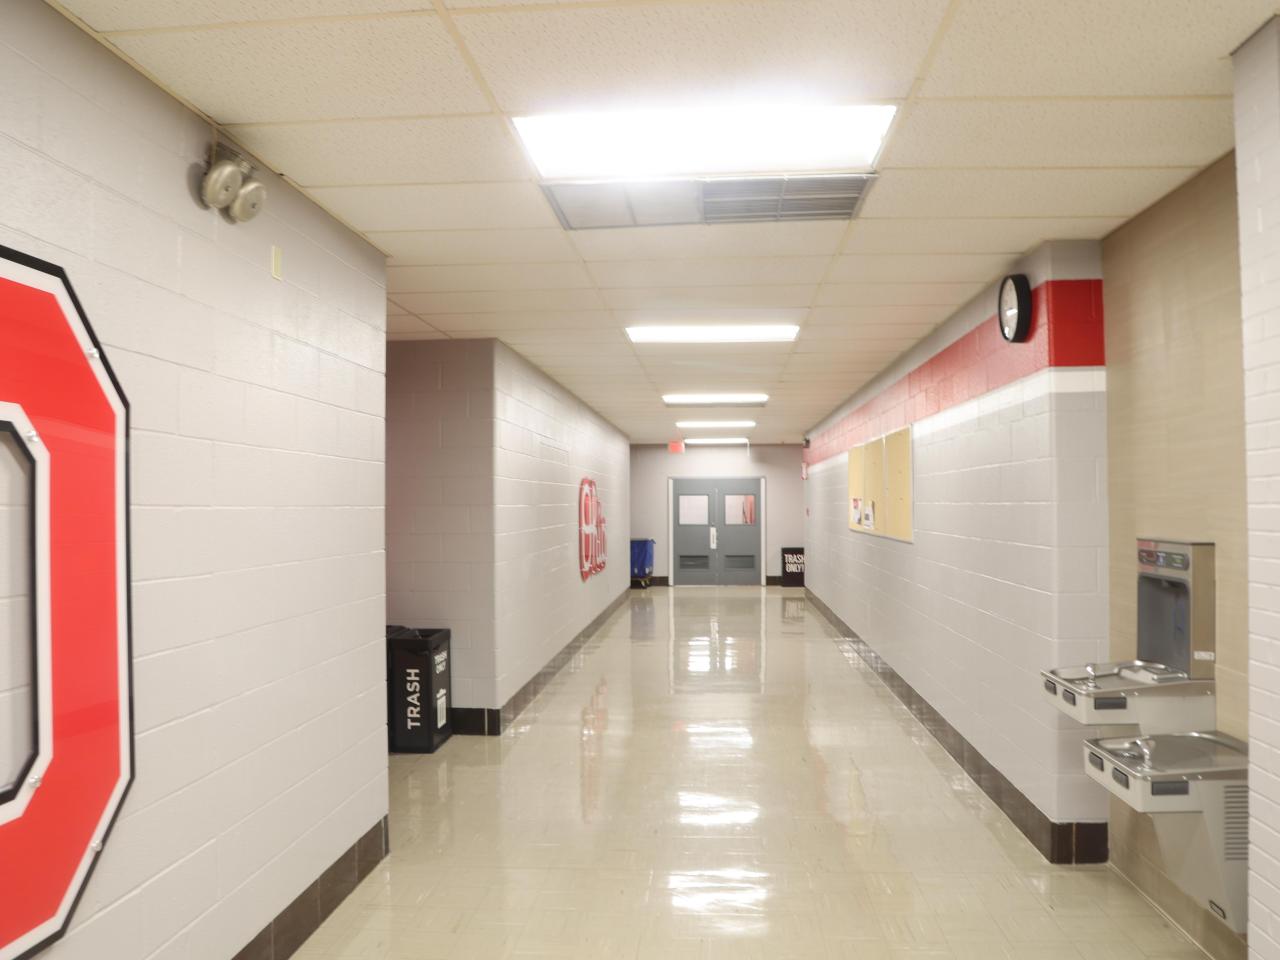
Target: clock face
x,y
1013,309
1008,309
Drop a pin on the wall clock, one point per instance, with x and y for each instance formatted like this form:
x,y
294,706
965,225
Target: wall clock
x,y
1013,308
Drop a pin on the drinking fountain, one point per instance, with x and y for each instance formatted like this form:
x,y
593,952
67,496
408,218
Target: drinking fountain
x,y
1196,787
1169,687
1175,766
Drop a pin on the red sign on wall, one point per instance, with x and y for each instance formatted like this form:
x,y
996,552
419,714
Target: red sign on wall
x,y
591,540
63,410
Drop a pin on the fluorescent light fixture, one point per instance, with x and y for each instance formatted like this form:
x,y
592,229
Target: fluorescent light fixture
x,y
715,424
717,441
715,399
715,333
705,141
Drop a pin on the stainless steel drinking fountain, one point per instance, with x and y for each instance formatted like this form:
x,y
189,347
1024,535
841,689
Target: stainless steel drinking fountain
x,y
1196,786
1169,688
1176,766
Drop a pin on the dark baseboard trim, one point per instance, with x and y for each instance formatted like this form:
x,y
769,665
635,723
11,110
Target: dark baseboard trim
x,y
473,721
281,938
1057,842
773,581
486,721
653,582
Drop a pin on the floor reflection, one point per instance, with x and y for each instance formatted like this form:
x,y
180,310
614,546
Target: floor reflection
x,y
714,779
727,890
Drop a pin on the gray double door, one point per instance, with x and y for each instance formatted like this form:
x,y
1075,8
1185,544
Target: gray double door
x,y
716,532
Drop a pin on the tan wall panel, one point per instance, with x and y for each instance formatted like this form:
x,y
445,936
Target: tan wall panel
x,y
1175,448
897,456
873,486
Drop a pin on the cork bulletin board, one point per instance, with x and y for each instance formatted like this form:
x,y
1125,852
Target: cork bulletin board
x,y
880,495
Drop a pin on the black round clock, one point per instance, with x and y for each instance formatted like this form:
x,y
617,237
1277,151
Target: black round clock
x,y
1013,307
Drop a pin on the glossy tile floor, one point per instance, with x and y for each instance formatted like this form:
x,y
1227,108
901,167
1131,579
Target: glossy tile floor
x,y
715,776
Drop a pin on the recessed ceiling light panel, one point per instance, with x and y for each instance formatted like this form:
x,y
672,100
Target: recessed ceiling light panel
x,y
715,399
694,141
715,333
715,424
717,441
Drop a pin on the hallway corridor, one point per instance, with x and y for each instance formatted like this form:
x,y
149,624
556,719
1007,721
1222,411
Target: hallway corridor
x,y
713,777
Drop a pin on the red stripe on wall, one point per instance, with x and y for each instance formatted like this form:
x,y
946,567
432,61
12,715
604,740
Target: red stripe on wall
x,y
1066,331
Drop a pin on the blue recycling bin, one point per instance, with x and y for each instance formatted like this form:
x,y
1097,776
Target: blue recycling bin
x,y
641,562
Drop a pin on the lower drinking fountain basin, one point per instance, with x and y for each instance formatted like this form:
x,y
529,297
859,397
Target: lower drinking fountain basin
x,y
1167,772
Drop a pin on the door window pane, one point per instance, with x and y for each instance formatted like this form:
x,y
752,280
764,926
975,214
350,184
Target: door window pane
x,y
694,510
740,509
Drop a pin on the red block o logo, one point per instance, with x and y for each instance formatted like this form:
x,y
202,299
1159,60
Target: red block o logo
x,y
591,541
61,405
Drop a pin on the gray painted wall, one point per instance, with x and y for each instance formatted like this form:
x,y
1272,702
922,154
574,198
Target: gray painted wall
x,y
1008,570
485,454
1006,575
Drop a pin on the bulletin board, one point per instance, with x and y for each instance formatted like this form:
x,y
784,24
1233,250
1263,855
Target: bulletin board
x,y
880,494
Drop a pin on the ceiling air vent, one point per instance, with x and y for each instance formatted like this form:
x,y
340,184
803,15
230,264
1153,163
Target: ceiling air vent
x,y
583,206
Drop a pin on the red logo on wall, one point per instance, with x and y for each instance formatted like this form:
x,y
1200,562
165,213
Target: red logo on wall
x,y
591,542
64,426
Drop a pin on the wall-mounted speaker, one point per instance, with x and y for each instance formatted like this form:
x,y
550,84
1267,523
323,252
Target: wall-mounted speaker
x,y
227,185
222,183
248,201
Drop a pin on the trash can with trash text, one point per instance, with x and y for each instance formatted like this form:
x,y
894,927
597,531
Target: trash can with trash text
x,y
418,689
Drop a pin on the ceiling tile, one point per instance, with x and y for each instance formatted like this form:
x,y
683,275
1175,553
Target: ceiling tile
x,y
857,316
406,325
375,113
709,273
511,276
312,70
863,352
675,298
462,323
431,150
1014,235
558,339
1061,133
501,301
1092,47
475,4
837,336
585,57
1019,193
459,206
147,14
928,267
875,294
421,247
820,238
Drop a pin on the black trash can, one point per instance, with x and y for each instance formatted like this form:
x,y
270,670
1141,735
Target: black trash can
x,y
418,689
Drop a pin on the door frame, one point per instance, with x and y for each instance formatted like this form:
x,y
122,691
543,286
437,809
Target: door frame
x,y
671,518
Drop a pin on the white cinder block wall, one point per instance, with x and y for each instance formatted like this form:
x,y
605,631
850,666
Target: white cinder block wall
x,y
485,455
1257,117
257,480
779,465
547,441
1007,573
